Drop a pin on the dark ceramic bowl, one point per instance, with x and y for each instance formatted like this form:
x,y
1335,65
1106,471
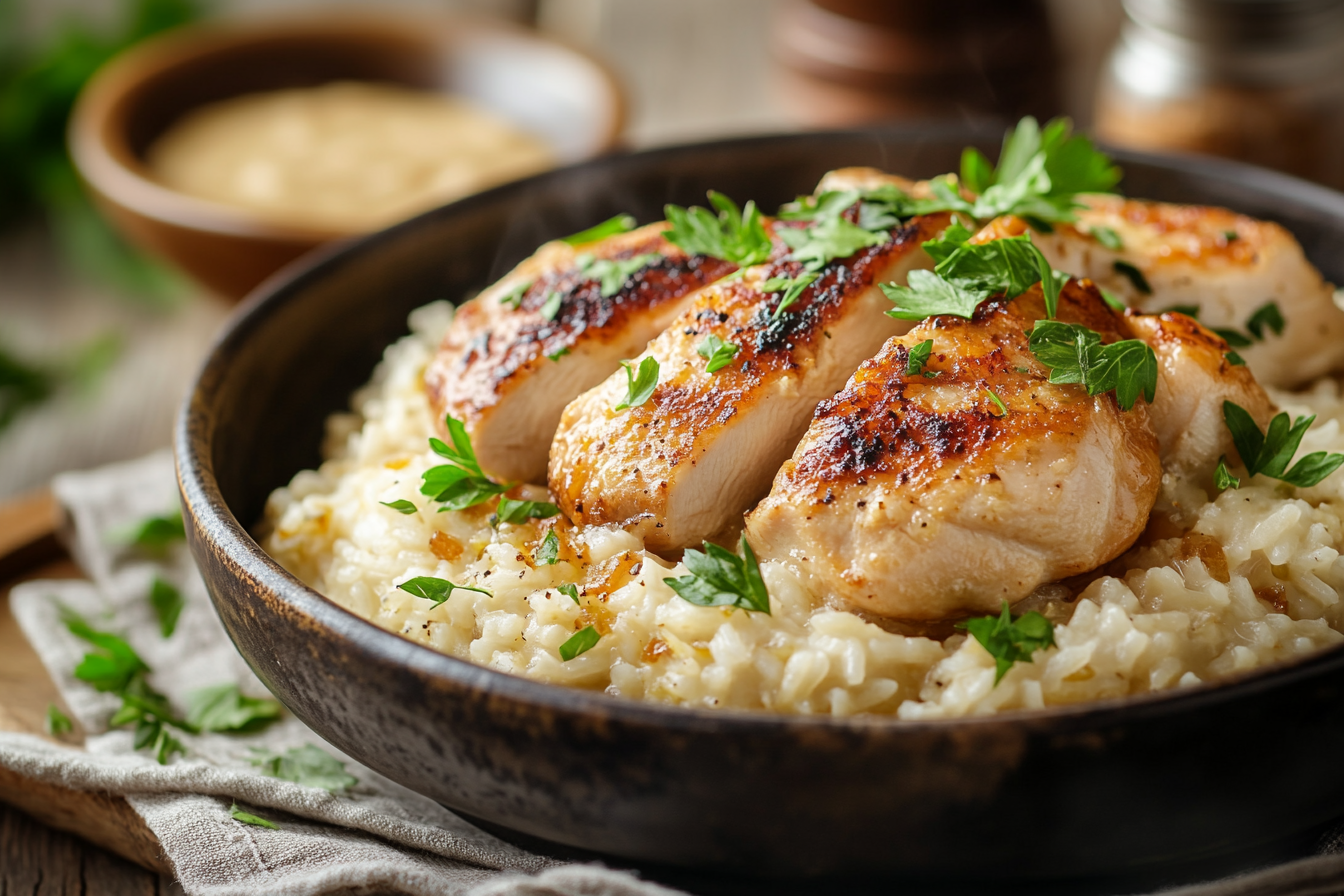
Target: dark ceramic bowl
x,y
1153,783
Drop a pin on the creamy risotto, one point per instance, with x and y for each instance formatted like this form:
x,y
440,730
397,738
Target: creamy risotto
x,y
1255,579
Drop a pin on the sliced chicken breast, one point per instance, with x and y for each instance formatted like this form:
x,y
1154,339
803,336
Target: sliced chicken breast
x,y
684,465
1194,378
1225,265
555,326
918,498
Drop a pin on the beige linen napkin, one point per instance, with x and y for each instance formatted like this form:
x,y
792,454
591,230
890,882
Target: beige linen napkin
x,y
376,837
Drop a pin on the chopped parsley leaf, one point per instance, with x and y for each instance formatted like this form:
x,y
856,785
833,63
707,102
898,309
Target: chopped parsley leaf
x,y
733,235
1230,235
224,708
828,239
58,723
719,578
511,511
1232,337
249,818
307,766
1234,359
610,227
548,552
1270,452
551,307
639,385
582,641
401,505
1267,315
156,533
1134,275
792,287
612,273
1108,238
917,357
514,297
718,353
1010,640
1110,298
558,354
1222,477
570,591
998,402
435,589
167,604
1075,354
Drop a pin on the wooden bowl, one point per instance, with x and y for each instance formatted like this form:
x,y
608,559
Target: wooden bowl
x,y
1139,792
562,95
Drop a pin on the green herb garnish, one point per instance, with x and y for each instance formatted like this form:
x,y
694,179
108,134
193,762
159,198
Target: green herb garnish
x,y
401,505
1230,235
514,297
917,357
435,589
1010,640
719,578
1267,315
558,353
998,402
639,386
460,483
966,274
1270,452
1232,337
58,723
570,591
1114,301
1040,171
733,235
1134,275
1108,238
1234,359
582,641
548,552
718,353
610,227
156,533
551,307
224,708
611,273
249,818
167,603
308,766
828,239
1222,476
1075,354
511,511
792,287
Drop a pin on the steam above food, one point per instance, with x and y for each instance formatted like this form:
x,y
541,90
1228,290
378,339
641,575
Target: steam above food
x,y
1005,473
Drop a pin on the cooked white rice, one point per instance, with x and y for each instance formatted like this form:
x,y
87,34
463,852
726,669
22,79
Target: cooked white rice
x,y
1257,581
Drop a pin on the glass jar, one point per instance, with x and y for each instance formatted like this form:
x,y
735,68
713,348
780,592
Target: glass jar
x,y
1256,80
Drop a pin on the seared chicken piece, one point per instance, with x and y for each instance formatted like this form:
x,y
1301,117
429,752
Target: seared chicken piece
x,y
918,498
512,360
1194,378
1226,265
684,465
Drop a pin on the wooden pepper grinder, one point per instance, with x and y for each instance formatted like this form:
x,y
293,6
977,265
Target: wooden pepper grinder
x,y
853,61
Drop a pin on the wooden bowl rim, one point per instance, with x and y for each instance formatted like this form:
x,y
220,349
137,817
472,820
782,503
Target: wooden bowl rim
x,y
103,156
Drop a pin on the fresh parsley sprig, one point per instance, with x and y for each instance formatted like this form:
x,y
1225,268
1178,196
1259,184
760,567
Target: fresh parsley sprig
x,y
582,641
966,274
460,483
717,353
1075,354
610,227
611,273
828,239
1270,452
1039,174
735,235
639,385
548,551
720,578
1010,640
792,287
512,511
436,589
916,359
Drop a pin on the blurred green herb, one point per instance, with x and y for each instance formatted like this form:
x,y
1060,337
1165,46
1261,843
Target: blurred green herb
x,y
58,723
25,384
610,227
248,818
156,533
167,603
306,765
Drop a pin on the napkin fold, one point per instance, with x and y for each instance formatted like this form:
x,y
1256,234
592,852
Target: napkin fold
x,y
375,837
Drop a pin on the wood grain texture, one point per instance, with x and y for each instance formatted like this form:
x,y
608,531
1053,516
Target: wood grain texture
x,y
36,860
26,690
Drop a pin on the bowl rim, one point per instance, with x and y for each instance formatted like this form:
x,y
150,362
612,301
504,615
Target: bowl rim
x,y
205,508
105,161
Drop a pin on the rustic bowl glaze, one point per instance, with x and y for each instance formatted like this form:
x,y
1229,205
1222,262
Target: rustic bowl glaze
x,y
558,93
1153,789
